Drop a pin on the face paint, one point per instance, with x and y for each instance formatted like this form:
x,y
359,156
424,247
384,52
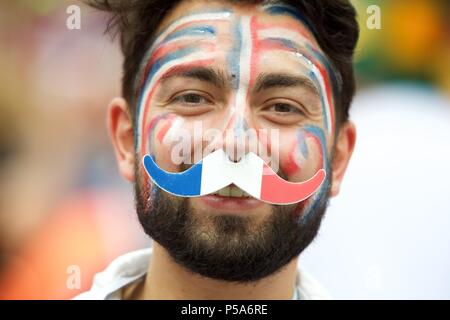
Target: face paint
x,y
169,55
289,42
298,154
193,41
250,174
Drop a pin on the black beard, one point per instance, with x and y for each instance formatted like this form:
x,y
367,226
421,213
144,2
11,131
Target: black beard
x,y
228,247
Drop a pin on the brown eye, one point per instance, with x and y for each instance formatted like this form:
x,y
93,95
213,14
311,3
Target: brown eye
x,y
191,103
282,107
283,113
285,108
191,99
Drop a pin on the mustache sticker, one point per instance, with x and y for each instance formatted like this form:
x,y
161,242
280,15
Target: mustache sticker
x,y
216,171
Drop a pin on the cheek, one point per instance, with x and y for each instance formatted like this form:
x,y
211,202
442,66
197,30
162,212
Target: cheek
x,y
156,141
174,140
301,157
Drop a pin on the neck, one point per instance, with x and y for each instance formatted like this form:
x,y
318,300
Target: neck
x,y
168,280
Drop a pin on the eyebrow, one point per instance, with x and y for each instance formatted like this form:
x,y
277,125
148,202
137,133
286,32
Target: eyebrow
x,y
272,80
213,76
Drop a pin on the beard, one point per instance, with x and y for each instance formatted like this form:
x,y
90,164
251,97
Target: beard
x,y
225,246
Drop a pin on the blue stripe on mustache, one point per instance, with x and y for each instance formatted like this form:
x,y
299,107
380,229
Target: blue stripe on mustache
x,y
186,183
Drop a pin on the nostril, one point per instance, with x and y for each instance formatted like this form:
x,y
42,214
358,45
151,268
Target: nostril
x,y
235,160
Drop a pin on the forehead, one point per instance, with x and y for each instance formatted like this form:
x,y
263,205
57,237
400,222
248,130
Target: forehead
x,y
227,23
225,32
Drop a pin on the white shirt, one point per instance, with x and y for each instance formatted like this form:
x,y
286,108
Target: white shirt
x,y
132,267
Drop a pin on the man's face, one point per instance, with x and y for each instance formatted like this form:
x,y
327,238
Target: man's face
x,y
215,73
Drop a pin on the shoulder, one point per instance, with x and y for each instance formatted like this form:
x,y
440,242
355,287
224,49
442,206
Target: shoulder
x,y
119,273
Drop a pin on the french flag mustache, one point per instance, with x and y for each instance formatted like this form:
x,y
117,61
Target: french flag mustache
x,y
216,171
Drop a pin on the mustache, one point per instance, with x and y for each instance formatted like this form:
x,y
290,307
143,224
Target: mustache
x,y
216,171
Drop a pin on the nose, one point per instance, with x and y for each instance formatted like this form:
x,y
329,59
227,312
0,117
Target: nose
x,y
239,136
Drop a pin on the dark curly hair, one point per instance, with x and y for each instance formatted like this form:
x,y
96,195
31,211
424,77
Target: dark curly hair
x,y
333,22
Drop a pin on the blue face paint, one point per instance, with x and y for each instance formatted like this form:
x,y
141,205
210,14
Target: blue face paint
x,y
319,134
318,200
284,9
313,76
202,31
233,58
303,146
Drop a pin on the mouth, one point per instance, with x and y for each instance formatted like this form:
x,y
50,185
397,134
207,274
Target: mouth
x,y
231,199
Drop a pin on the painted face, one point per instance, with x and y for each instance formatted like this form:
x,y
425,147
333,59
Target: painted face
x,y
236,97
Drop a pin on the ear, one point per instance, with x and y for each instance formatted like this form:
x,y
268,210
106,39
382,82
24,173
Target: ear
x,y
344,145
120,128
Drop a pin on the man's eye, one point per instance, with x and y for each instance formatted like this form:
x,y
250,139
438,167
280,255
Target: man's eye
x,y
191,99
285,108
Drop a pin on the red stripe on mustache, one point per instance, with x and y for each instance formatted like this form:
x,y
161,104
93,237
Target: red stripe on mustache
x,y
276,190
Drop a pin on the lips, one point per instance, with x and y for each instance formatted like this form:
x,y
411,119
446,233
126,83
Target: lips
x,y
230,204
215,173
231,199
